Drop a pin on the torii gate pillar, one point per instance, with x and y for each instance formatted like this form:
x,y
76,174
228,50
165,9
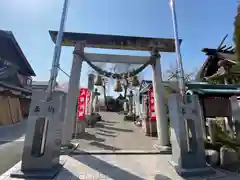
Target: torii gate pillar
x,y
73,91
160,108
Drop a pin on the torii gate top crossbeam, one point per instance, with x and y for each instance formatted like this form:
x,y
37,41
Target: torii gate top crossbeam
x,y
116,41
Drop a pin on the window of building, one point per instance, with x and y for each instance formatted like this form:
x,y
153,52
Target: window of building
x,y
5,62
29,81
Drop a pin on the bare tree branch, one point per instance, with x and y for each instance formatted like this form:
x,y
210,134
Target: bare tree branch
x,y
172,74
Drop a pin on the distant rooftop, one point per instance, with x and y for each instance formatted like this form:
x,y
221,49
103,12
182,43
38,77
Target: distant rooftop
x,y
146,84
40,83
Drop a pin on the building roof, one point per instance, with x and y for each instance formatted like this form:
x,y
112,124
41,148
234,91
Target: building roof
x,y
146,84
40,83
9,75
45,83
219,92
19,90
10,80
11,51
210,66
203,85
213,89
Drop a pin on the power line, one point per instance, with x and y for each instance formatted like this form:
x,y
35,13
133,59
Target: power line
x,y
64,72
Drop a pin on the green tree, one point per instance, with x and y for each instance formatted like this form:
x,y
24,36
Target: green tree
x,y
237,33
229,72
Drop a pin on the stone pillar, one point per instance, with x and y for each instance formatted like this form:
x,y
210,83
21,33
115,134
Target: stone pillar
x,y
137,102
91,103
160,107
95,101
125,106
188,152
137,105
73,91
130,103
142,107
91,78
212,130
145,121
235,112
134,108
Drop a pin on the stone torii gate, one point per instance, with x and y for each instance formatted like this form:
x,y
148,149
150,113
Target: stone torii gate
x,y
81,40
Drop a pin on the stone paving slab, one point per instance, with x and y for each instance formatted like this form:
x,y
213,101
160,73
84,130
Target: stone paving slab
x,y
114,134
120,167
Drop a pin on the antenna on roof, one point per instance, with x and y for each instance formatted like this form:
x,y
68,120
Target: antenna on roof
x,y
223,40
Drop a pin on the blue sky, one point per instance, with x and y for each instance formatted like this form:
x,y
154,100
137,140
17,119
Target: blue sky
x,y
201,24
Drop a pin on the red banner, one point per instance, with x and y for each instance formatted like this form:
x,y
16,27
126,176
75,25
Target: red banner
x,y
151,105
82,99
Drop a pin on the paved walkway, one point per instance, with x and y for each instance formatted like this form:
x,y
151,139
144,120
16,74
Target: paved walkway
x,y
9,133
115,134
121,167
11,144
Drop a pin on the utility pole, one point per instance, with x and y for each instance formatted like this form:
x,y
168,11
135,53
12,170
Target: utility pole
x,y
177,46
57,52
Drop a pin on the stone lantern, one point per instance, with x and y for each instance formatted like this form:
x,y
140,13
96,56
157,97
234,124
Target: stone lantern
x,y
130,103
94,116
130,115
95,100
